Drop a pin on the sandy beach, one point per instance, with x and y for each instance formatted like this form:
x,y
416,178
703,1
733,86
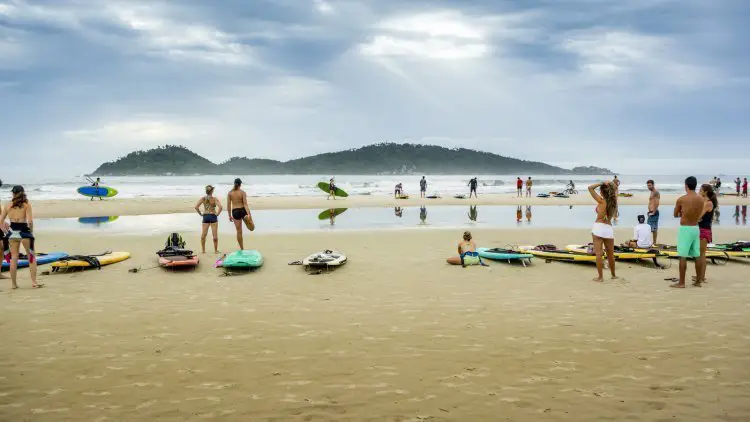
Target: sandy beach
x,y
148,206
396,334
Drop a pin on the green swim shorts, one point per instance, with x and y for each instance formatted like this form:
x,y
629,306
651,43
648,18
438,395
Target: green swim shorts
x,y
688,242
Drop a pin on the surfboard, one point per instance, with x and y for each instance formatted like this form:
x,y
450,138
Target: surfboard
x,y
107,259
324,187
542,195
178,261
326,214
325,258
97,220
97,192
241,259
557,255
402,197
41,259
499,254
622,254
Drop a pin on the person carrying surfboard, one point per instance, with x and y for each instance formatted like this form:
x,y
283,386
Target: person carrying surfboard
x,y
96,185
331,189
240,210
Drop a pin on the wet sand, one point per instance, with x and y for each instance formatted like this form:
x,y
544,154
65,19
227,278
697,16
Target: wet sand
x,y
396,334
146,206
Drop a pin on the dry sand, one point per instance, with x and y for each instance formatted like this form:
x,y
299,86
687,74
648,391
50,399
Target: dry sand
x,y
118,206
396,334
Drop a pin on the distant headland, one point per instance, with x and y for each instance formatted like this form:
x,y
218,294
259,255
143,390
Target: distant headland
x,y
383,158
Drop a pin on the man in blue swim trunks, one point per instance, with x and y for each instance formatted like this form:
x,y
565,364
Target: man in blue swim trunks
x,y
653,208
689,209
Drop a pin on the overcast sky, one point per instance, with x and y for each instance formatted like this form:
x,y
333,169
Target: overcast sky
x,y
639,86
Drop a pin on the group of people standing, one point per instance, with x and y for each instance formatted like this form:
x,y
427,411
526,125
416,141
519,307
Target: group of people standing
x,y
239,214
694,209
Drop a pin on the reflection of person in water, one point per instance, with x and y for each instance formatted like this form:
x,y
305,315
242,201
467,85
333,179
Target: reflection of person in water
x,y
519,214
332,216
744,215
528,213
717,216
473,213
423,214
399,213
737,214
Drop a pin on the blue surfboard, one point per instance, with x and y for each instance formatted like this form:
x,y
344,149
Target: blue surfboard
x,y
41,259
97,192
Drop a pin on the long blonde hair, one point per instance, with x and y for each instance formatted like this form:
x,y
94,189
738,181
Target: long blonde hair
x,y
609,194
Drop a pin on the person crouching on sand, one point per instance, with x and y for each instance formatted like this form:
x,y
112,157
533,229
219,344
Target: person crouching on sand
x,y
467,253
211,210
602,233
643,238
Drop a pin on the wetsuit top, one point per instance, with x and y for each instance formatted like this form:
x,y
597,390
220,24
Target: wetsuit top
x,y
473,183
705,221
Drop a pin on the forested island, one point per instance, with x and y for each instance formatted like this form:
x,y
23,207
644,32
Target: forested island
x,y
383,158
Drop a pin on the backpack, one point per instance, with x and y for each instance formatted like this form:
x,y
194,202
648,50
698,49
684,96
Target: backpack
x,y
175,241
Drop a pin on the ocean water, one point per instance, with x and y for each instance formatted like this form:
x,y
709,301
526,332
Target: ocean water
x,y
305,185
439,216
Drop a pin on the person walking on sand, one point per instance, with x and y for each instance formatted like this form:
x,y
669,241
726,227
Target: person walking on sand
x,y
528,187
710,206
519,187
96,185
602,233
240,210
331,189
21,232
473,187
422,187
689,209
211,210
654,199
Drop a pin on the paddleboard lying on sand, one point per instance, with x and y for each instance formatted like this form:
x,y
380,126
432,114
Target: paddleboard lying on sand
x,y
402,197
106,259
460,196
556,254
180,261
241,259
671,251
620,252
97,220
561,195
97,192
739,249
626,195
326,214
41,259
542,195
327,258
338,192
499,254
433,196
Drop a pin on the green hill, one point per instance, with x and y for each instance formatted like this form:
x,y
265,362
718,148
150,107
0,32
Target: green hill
x,y
384,158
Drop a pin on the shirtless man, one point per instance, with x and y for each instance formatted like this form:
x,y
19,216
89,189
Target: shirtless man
x,y
240,211
653,208
689,209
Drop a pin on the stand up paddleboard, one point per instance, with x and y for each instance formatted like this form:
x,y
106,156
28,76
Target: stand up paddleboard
x,y
325,258
97,192
509,255
41,259
244,259
324,187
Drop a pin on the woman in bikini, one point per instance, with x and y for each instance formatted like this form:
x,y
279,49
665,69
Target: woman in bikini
x,y
710,206
211,210
20,233
467,253
602,233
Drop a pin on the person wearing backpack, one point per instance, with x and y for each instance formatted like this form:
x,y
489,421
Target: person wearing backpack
x,y
211,210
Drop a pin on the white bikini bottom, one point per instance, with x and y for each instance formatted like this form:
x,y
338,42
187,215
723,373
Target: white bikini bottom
x,y
605,231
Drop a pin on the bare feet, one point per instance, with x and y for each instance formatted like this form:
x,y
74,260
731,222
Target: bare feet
x,y
677,285
36,286
614,277
697,284
597,279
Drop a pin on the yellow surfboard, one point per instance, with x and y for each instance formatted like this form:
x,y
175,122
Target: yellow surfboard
x,y
557,255
636,254
110,258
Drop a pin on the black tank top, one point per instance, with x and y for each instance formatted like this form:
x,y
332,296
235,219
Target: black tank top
x,y
706,220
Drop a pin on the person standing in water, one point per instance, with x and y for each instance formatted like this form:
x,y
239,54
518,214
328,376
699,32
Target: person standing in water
x,y
21,233
422,187
528,187
603,234
654,199
710,206
473,187
211,210
689,209
240,210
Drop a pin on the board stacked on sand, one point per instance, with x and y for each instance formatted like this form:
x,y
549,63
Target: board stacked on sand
x,y
175,255
97,191
552,253
82,262
41,259
499,254
740,249
244,259
621,253
326,258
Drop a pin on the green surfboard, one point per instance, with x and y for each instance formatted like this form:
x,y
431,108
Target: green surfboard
x,y
242,259
324,187
326,214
